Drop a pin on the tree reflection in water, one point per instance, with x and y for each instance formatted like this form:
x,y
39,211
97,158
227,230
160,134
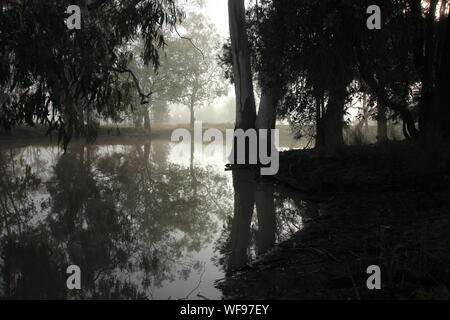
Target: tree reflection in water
x,y
130,219
133,219
279,215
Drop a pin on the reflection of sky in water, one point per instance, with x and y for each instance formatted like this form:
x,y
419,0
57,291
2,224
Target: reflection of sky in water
x,y
42,159
203,271
211,156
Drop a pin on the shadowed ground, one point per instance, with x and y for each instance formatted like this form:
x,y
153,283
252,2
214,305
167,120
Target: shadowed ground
x,y
382,212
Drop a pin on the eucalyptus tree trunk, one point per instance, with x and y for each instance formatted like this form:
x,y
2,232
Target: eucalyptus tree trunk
x,y
245,99
147,123
428,76
267,112
381,123
333,120
434,114
192,116
193,100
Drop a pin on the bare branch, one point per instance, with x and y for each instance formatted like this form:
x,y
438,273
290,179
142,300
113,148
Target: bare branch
x,y
190,40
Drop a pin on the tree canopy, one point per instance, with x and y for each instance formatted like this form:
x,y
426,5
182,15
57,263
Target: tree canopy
x,y
57,77
322,55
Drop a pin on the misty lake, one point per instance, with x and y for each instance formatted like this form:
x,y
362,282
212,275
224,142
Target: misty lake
x,y
148,220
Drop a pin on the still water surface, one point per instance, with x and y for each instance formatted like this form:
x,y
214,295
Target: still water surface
x,y
151,220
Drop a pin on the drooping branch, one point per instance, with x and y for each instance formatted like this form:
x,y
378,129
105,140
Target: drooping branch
x,y
144,97
402,109
382,96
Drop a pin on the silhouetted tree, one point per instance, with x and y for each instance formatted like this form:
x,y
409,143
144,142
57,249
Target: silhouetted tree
x,y
59,77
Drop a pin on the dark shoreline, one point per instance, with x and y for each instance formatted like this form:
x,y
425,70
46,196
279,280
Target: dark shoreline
x,y
24,136
376,208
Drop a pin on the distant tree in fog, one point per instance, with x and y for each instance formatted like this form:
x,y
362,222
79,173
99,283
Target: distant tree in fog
x,y
195,64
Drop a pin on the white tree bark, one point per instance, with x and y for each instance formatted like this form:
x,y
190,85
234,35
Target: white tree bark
x,y
245,99
267,112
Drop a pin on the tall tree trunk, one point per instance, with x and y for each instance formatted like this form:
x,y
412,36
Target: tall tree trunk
x,y
333,120
434,114
381,123
245,99
427,110
147,124
441,110
192,116
267,112
192,101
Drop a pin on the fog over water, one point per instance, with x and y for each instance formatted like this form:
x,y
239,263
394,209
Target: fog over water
x,y
151,220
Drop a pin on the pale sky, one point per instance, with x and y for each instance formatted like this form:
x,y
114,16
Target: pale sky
x,y
217,11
